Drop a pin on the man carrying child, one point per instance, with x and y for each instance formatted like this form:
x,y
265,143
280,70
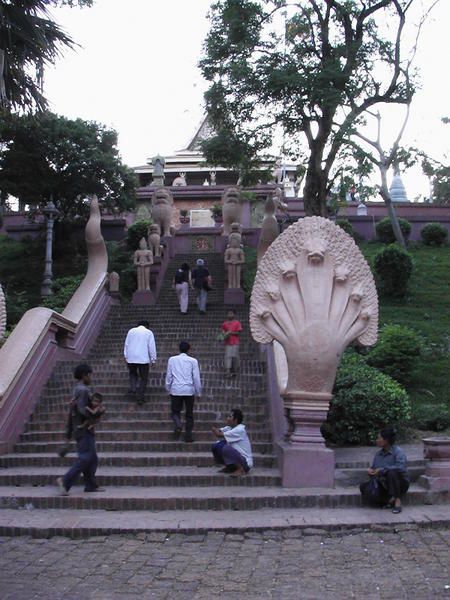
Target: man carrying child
x,y
86,409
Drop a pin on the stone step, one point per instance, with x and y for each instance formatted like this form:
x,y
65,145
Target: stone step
x,y
134,414
351,477
143,477
239,497
104,435
134,424
136,446
220,408
124,459
272,523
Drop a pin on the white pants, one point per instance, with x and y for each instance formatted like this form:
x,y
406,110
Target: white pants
x,y
182,290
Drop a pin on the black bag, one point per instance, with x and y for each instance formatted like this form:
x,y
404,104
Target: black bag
x,y
206,283
371,492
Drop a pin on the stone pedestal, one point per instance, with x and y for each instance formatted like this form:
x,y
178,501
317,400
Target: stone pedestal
x,y
143,297
234,296
305,460
437,469
306,465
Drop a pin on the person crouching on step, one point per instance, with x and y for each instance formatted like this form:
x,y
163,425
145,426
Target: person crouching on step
x,y
233,448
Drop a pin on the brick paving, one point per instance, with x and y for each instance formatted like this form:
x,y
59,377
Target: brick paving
x,y
287,564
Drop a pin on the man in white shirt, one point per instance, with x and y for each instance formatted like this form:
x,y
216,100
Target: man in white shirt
x,y
139,352
233,448
183,384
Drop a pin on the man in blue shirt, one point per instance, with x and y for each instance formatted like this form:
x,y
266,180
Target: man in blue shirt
x,y
389,467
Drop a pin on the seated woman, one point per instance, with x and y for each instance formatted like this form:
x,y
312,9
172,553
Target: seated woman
x,y
389,467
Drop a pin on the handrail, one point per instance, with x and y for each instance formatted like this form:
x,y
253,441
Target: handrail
x,y
29,354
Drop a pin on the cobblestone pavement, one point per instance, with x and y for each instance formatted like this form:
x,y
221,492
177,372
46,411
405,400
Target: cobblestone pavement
x,y
414,563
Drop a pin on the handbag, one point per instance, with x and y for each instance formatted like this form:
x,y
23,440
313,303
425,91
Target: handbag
x,y
371,492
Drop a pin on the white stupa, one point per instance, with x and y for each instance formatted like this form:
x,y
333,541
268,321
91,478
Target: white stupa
x,y
397,190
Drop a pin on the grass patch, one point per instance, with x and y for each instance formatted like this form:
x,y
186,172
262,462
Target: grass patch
x,y
426,309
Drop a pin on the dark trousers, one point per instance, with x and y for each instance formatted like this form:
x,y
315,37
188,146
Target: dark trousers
x,y
393,485
138,378
227,455
176,405
86,463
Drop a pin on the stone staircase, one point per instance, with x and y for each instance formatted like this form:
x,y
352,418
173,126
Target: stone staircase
x,y
142,467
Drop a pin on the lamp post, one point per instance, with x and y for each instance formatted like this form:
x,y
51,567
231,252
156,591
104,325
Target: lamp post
x,y
50,212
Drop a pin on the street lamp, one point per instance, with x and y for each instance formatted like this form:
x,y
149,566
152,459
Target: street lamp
x,y
50,211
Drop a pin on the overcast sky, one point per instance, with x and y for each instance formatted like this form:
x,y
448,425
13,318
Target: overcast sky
x,y
136,71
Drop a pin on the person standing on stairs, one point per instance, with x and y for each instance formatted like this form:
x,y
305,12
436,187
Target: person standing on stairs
x,y
183,384
139,352
202,284
182,282
231,329
87,461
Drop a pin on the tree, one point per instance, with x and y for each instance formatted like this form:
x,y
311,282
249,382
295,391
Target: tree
x,y
439,175
47,155
376,155
29,41
335,60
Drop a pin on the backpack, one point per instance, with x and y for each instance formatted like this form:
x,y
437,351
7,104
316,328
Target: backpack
x,y
371,492
179,276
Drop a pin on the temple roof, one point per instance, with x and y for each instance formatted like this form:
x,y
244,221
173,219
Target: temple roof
x,y
204,131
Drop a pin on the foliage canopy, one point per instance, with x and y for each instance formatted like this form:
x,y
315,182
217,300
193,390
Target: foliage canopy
x,y
29,41
310,69
45,154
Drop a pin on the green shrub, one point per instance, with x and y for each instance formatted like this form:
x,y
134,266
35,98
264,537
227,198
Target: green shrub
x,y
431,417
250,270
120,259
397,352
63,290
365,400
135,232
434,234
394,266
385,231
346,226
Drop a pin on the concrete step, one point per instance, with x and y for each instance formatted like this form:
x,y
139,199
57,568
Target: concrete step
x,y
134,414
133,424
352,477
158,526
125,459
239,497
143,476
136,446
104,435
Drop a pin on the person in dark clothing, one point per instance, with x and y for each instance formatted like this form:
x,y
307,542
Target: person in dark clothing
x,y
202,282
182,282
87,460
389,467
94,412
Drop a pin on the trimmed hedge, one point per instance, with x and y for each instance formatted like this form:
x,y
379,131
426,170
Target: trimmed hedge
x,y
397,352
434,234
393,266
346,226
365,400
385,231
431,417
135,232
